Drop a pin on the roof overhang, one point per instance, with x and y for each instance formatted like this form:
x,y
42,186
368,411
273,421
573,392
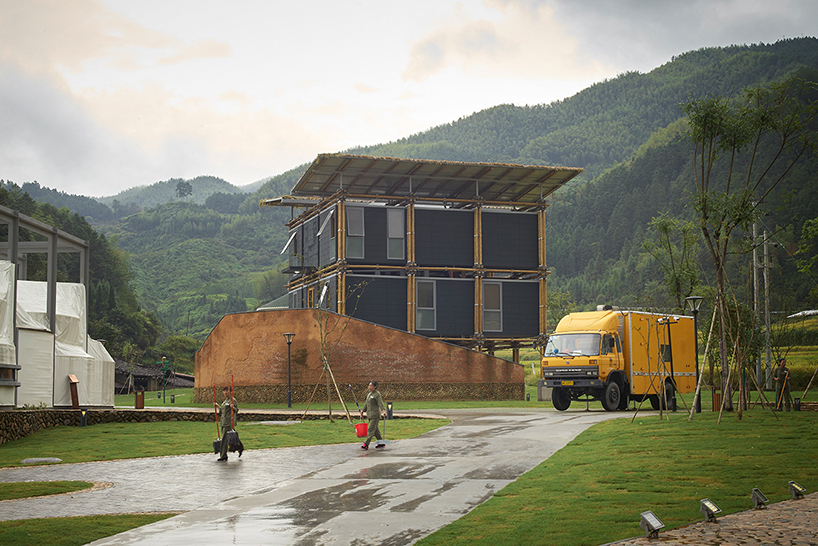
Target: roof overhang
x,y
392,179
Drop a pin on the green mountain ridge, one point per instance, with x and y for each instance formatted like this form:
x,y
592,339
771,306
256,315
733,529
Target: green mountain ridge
x,y
209,254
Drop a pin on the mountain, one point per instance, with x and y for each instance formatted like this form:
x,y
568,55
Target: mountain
x,y
157,193
214,252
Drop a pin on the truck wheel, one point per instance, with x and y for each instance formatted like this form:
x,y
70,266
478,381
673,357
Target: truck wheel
x,y
670,393
610,398
560,398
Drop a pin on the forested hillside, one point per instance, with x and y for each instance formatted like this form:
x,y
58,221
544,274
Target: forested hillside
x,y
215,251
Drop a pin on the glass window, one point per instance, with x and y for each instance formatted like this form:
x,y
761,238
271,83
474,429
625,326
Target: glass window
x,y
492,307
425,317
355,233
395,234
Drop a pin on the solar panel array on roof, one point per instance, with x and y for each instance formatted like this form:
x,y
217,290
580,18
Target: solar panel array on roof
x,y
389,177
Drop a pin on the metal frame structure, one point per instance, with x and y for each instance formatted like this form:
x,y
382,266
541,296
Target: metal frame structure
x,y
56,242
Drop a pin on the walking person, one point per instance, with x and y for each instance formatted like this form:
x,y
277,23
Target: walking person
x,y
782,385
228,413
374,409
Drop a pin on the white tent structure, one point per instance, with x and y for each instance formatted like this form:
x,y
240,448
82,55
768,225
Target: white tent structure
x,y
48,359
46,356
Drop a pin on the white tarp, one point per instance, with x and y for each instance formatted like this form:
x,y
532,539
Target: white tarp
x,y
36,374
7,352
104,379
72,352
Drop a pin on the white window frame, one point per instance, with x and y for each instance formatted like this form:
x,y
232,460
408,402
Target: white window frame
x,y
495,313
419,309
352,230
396,233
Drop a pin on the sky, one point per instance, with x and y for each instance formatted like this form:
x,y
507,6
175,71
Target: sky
x,y
98,96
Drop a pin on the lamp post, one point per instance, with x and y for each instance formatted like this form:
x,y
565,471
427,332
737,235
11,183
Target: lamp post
x,y
289,337
694,303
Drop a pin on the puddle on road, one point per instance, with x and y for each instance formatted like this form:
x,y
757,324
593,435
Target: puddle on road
x,y
392,471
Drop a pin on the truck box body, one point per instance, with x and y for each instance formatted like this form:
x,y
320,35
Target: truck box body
x,y
614,356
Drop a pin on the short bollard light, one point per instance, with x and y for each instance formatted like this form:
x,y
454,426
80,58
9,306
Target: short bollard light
x,y
796,490
389,410
709,510
760,500
650,524
172,398
83,417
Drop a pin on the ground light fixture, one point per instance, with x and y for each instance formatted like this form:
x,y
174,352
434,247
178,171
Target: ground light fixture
x,y
650,524
760,500
709,510
796,490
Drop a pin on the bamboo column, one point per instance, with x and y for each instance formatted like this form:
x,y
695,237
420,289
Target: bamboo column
x,y
478,271
543,282
342,257
411,269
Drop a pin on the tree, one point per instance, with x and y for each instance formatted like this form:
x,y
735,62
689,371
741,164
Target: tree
x,y
673,246
183,189
741,151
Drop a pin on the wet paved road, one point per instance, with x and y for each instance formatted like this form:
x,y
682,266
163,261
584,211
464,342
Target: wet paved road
x,y
327,495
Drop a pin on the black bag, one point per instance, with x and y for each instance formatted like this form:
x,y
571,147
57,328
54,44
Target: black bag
x,y
233,442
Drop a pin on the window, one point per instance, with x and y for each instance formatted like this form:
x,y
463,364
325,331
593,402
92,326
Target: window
x,y
395,234
492,307
311,297
355,233
425,316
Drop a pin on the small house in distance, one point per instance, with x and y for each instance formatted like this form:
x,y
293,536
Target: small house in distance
x,y
453,251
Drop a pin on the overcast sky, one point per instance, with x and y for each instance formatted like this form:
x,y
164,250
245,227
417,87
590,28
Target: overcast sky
x,y
97,96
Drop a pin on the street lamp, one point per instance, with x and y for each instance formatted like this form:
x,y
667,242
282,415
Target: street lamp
x,y
289,337
694,303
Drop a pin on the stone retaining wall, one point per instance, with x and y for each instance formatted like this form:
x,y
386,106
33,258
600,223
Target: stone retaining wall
x,y
20,423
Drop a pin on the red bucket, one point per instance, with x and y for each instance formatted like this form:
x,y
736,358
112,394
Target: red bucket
x,y
360,430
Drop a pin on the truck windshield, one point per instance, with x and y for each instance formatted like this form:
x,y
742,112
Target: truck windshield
x,y
573,344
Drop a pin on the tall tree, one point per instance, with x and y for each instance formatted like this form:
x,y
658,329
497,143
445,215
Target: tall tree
x,y
741,151
673,246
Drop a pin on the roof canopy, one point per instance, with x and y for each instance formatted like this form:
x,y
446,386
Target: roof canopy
x,y
390,178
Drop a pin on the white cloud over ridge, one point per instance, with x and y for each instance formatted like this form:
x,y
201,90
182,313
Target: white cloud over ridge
x,y
100,95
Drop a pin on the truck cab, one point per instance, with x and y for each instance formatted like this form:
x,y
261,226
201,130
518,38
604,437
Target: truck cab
x,y
584,357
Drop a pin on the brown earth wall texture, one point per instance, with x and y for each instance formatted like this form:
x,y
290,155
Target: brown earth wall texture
x,y
251,348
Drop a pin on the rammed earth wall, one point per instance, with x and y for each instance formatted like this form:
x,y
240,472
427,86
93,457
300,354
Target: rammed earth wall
x,y
249,351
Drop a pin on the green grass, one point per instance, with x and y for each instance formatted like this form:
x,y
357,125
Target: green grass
x,y
23,490
593,490
111,441
71,531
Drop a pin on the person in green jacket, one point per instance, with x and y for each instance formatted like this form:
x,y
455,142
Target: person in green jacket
x,y
374,409
228,413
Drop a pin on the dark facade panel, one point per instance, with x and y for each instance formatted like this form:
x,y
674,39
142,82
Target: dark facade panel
x,y
444,238
375,239
455,308
380,299
520,309
510,240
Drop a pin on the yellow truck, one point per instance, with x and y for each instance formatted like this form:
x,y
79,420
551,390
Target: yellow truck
x,y
615,356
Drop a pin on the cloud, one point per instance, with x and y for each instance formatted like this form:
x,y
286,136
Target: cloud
x,y
202,49
512,39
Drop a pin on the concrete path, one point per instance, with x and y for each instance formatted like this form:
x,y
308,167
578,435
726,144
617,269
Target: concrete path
x,y
327,495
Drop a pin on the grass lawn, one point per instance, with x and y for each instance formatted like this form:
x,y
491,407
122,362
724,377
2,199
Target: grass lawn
x,y
593,490
111,441
71,531
22,490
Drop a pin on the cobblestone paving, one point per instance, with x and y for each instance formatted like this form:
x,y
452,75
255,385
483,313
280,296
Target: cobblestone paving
x,y
788,523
